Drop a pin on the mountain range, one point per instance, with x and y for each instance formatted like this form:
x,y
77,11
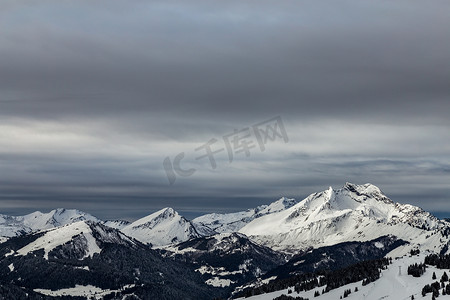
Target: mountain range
x,y
70,253
351,213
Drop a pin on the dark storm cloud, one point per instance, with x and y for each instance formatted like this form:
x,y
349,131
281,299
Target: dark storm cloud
x,y
93,97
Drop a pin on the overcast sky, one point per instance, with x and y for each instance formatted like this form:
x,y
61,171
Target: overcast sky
x,y
95,95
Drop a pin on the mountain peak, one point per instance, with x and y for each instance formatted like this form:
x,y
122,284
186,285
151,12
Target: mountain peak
x,y
160,228
353,212
168,212
36,221
288,202
367,187
366,191
80,239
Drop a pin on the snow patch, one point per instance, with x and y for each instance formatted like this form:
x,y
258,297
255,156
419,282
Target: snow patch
x,y
299,262
379,245
218,282
267,280
81,291
221,271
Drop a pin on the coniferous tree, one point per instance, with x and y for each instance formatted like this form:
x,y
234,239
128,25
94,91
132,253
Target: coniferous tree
x,y
444,277
416,270
367,271
347,292
426,289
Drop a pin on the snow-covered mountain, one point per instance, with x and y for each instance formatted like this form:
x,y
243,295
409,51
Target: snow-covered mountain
x,y
76,240
18,225
163,227
351,213
91,261
225,259
328,230
232,222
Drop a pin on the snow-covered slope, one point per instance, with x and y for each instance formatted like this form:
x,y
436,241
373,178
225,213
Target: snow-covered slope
x,y
394,284
232,222
18,225
163,227
352,213
117,224
91,260
80,239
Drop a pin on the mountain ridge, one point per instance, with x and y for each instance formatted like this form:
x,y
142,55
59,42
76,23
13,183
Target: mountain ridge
x,y
17,225
326,230
163,227
351,213
231,222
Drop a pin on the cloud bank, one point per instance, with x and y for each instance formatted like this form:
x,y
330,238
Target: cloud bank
x,y
94,96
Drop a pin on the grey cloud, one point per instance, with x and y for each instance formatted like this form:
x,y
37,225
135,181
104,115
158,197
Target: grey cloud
x,y
231,58
93,97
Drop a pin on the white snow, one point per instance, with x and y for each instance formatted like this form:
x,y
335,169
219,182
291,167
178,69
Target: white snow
x,y
161,228
61,235
379,245
352,213
81,291
391,285
231,222
221,271
267,280
299,262
204,269
175,250
117,224
11,267
92,246
16,225
219,282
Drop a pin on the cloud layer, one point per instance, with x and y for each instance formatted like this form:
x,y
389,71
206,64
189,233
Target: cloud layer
x,y
94,96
